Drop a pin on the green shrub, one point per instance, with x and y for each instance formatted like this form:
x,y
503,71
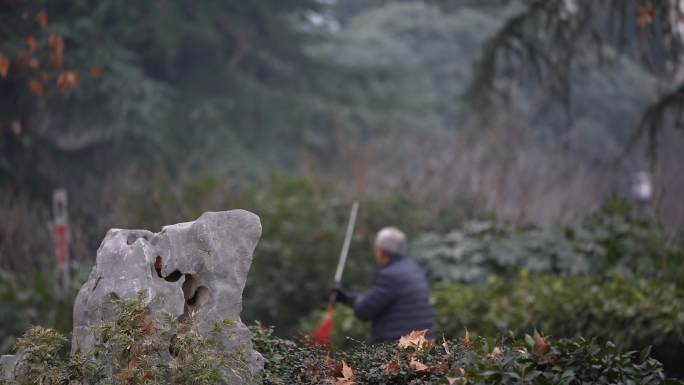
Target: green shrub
x,y
130,350
483,361
608,243
632,313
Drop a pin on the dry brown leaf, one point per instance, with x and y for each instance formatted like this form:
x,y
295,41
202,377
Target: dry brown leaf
x,y
134,358
466,341
22,60
495,352
97,70
444,367
4,65
337,368
540,345
645,17
67,79
347,372
16,127
392,368
417,366
147,325
56,42
311,370
56,60
36,87
446,346
31,43
34,64
42,19
415,339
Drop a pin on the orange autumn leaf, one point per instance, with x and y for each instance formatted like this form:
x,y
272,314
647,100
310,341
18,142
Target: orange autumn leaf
x,y
56,42
311,370
337,368
4,65
42,19
21,61
31,43
56,60
540,345
97,70
16,127
443,367
645,17
392,368
67,79
36,87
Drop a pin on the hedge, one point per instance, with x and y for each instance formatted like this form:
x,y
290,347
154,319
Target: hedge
x,y
633,313
532,360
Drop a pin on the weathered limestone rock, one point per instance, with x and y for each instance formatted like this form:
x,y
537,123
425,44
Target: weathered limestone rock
x,y
193,266
7,364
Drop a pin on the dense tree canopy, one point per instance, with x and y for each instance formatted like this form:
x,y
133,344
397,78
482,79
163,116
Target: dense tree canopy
x,y
88,84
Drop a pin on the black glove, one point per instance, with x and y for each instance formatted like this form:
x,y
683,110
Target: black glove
x,y
340,295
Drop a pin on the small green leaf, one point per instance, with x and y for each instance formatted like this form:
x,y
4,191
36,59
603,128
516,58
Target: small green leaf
x,y
644,354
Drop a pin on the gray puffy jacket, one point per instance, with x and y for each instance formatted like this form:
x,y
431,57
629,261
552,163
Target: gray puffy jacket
x,y
397,303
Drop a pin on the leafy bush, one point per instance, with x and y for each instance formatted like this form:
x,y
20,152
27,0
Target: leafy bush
x,y
132,348
414,360
632,313
608,243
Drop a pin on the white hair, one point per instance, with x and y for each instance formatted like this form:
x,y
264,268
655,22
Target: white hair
x,y
391,240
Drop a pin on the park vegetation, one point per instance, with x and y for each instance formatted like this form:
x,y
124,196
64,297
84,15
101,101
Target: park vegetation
x,y
507,177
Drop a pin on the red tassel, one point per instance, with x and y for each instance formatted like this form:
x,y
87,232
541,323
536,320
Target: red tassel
x,y
322,333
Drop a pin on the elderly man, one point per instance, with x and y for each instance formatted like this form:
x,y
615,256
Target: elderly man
x,y
397,302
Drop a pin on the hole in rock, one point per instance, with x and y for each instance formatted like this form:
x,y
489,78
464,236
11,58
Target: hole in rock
x,y
113,297
189,286
131,239
199,298
145,237
158,265
173,277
